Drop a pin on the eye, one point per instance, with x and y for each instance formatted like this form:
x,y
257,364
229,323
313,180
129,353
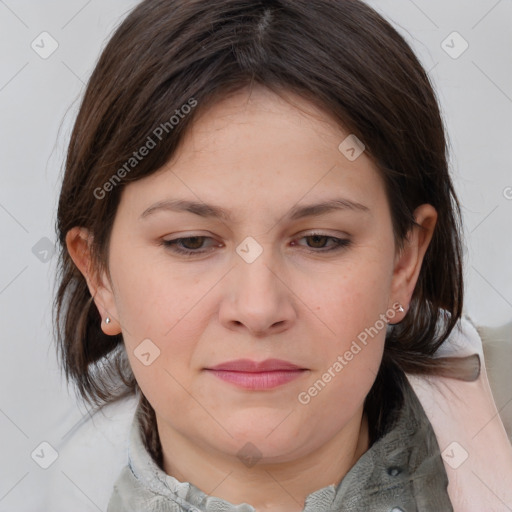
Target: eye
x,y
319,240
188,245
195,245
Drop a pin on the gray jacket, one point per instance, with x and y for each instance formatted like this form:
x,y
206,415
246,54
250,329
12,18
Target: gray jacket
x,y
401,472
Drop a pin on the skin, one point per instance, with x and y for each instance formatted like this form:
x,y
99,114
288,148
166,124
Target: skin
x,y
257,156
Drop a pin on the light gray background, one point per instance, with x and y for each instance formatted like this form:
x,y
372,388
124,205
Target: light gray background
x,y
38,101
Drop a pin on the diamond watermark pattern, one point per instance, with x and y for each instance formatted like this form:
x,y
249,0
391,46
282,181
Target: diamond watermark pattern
x,y
147,352
44,455
249,455
43,250
455,455
249,250
352,148
454,45
44,45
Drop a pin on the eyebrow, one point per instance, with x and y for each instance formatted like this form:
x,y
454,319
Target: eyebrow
x,y
295,213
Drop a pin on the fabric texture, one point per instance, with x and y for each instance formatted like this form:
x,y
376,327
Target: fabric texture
x,y
401,472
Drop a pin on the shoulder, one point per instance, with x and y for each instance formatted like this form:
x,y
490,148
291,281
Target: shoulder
x,y
476,450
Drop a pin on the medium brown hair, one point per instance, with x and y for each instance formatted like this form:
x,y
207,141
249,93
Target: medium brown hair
x,y
340,55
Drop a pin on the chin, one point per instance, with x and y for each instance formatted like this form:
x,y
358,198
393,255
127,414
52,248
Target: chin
x,y
271,437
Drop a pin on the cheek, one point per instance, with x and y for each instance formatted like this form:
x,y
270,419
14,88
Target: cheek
x,y
340,384
351,300
353,305
162,313
336,395
154,297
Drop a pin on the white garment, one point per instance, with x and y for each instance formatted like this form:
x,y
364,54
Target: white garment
x,y
92,456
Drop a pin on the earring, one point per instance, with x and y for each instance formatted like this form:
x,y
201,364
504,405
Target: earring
x,y
401,309
107,320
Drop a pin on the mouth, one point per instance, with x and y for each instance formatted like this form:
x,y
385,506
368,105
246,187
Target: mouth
x,y
253,375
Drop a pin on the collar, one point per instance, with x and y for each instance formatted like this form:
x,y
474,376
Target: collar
x,y
402,471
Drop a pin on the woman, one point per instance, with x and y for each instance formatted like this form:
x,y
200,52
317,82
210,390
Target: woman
x,y
260,237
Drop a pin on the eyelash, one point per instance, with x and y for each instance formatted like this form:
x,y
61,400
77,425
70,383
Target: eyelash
x,y
340,243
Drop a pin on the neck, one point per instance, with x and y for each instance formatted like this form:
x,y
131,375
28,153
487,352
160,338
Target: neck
x,y
280,487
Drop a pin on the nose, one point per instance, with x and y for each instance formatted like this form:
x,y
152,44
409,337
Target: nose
x,y
257,298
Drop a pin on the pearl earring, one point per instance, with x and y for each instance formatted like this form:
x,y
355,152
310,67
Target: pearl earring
x,y
107,320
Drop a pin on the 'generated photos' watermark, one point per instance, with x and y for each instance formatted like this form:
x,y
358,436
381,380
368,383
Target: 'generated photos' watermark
x,y
151,142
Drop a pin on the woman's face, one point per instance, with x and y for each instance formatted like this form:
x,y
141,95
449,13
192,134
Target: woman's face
x,y
292,258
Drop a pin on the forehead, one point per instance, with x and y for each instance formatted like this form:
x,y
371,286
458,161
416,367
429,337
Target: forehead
x,y
259,152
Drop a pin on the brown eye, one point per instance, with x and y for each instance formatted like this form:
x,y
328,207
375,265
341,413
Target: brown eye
x,y
193,242
318,242
188,245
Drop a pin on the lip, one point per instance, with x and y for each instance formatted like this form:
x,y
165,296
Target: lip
x,y
250,366
254,375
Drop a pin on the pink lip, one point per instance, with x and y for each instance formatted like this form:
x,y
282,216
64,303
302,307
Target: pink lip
x,y
255,375
247,365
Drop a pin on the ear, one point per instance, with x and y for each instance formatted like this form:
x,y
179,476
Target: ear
x,y
78,242
409,259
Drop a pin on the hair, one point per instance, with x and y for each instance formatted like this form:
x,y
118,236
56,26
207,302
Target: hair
x,y
341,56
